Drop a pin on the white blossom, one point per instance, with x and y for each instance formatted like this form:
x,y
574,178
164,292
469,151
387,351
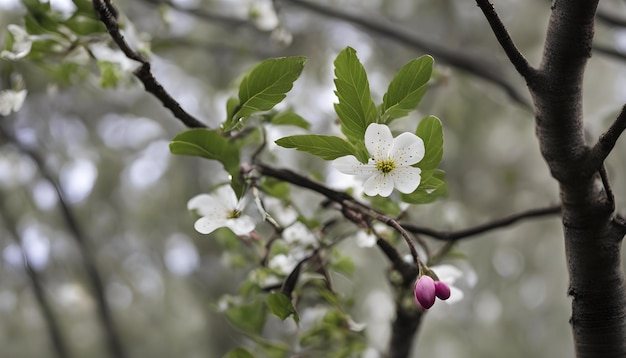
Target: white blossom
x,y
11,101
22,43
390,164
221,210
365,238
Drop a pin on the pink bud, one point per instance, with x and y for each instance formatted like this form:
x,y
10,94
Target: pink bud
x,y
442,290
425,292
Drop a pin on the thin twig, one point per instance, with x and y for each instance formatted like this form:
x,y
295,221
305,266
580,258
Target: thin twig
x,y
106,12
454,58
480,229
54,330
345,200
503,37
607,186
607,140
94,276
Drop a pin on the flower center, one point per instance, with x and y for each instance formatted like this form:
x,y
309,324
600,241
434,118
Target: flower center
x,y
233,214
385,166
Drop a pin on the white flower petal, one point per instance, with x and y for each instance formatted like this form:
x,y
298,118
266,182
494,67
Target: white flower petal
x,y
22,43
406,179
407,149
11,101
378,184
208,205
350,165
378,140
300,234
206,225
243,225
226,195
363,239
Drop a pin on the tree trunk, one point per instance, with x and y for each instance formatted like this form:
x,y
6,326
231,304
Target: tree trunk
x,y
592,235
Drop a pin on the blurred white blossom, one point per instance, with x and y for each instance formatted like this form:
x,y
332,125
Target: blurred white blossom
x,y
449,274
11,101
22,43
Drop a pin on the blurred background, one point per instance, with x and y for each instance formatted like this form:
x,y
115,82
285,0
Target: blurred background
x,y
108,150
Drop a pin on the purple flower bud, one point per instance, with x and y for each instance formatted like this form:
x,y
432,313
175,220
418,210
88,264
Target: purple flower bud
x,y
442,290
425,292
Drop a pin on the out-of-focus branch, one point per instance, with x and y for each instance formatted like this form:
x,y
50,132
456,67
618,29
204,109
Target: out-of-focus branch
x,y
454,58
610,18
503,37
483,228
106,12
609,51
204,15
94,276
54,330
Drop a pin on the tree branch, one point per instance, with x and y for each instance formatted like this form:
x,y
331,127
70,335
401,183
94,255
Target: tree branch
x,y
107,14
94,276
503,37
480,229
54,330
592,242
454,58
607,140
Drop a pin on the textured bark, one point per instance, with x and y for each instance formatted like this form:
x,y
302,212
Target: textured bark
x,y
592,236
403,331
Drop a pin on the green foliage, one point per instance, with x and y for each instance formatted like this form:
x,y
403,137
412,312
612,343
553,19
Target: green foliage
x,y
407,89
262,88
239,353
110,74
288,118
356,109
325,147
281,306
249,317
210,144
431,132
433,186
333,337
275,188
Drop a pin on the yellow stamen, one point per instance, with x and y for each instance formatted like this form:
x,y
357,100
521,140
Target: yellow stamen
x,y
385,166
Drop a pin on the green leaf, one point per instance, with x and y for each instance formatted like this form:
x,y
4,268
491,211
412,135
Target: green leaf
x,y
385,205
264,87
433,186
355,109
407,88
281,306
431,132
275,188
210,144
110,74
248,317
83,25
290,119
325,147
238,352
232,106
